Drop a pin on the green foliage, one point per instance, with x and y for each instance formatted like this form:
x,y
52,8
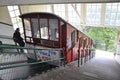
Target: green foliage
x,y
103,38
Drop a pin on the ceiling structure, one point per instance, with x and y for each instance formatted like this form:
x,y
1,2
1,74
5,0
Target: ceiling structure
x,y
28,2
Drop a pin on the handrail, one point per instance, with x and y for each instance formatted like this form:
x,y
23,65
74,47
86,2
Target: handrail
x,y
24,64
10,46
4,46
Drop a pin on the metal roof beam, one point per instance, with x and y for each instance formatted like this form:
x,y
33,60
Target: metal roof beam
x,y
28,2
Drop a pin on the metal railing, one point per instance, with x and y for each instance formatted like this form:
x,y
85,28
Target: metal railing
x,y
12,69
26,48
86,57
14,65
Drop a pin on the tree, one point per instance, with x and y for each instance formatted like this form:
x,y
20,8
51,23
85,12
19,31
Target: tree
x,y
103,38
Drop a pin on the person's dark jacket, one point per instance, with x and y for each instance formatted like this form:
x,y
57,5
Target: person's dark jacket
x,y
18,39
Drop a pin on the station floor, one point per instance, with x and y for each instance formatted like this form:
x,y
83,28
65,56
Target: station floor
x,y
102,67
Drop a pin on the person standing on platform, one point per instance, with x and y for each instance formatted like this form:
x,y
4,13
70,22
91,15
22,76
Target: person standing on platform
x,y
18,39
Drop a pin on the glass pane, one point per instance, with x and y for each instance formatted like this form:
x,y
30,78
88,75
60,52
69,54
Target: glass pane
x,y
119,8
44,28
53,26
88,8
117,22
15,26
20,25
27,27
93,16
109,4
35,28
113,16
73,16
15,7
78,7
114,4
107,16
93,8
97,21
12,14
114,8
14,20
17,12
21,30
59,9
18,19
56,33
73,38
44,32
112,22
98,8
107,21
108,9
10,8
118,16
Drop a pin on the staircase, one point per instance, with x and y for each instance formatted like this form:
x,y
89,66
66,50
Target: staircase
x,y
10,57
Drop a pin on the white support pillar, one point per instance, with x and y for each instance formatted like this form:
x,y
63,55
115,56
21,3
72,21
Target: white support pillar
x,y
103,7
66,12
52,8
83,13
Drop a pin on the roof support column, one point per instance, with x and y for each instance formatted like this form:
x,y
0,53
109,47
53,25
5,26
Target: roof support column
x,y
83,13
66,12
103,7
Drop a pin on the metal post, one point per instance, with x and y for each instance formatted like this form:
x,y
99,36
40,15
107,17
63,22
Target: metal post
x,y
35,54
78,58
1,49
64,56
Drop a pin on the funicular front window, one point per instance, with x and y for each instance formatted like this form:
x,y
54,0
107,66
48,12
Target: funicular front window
x,y
44,28
49,32
42,31
53,26
27,27
36,33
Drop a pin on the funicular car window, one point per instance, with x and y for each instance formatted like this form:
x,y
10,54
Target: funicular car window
x,y
53,29
36,33
73,38
44,28
28,33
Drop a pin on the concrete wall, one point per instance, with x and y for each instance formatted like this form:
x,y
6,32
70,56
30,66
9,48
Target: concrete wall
x,y
35,8
6,30
4,15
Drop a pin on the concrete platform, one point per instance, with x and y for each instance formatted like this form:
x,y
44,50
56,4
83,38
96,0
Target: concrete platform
x,y
101,67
